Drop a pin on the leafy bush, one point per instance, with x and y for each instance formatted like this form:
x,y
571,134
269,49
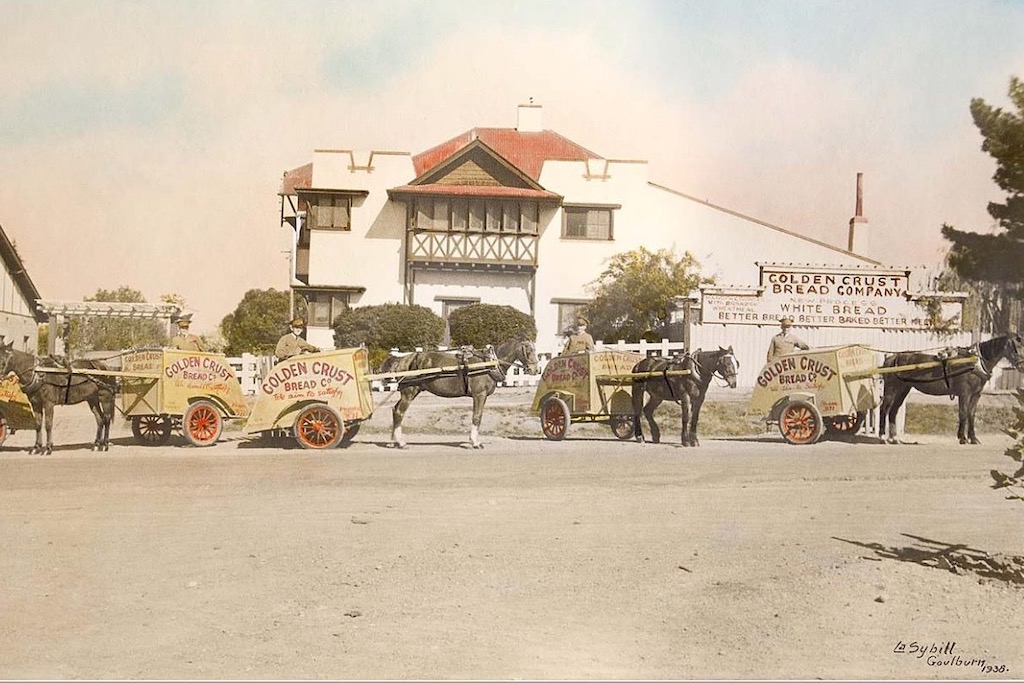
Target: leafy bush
x,y
257,322
1015,481
481,324
386,326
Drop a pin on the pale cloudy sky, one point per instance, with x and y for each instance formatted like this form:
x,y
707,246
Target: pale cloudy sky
x,y
142,143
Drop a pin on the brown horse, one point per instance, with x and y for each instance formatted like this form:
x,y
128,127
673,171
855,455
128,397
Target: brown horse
x,y
478,383
44,390
965,381
686,390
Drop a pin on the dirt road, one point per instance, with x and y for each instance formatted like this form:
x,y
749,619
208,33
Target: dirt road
x,y
530,559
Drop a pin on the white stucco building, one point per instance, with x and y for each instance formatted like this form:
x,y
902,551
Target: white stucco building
x,y
19,314
526,217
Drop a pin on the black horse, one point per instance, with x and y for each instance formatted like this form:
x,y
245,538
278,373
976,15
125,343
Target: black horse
x,y
686,390
44,390
951,377
460,381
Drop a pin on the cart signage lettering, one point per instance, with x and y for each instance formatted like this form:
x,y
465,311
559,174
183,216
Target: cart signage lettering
x,y
795,370
198,369
320,377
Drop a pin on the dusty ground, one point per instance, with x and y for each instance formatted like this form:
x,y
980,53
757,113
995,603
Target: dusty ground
x,y
587,558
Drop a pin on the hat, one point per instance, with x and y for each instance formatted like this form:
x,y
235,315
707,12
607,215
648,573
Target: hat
x,y
297,322
582,320
184,320
786,321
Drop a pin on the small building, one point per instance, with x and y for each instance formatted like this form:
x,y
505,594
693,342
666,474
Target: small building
x,y
528,218
19,315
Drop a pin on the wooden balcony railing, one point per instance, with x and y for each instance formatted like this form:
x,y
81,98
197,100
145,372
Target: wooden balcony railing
x,y
472,248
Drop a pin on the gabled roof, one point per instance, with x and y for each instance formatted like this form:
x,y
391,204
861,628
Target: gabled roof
x,y
475,170
27,288
526,151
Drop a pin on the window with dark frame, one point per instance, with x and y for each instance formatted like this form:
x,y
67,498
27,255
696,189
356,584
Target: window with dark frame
x,y
568,311
332,213
587,222
324,306
476,215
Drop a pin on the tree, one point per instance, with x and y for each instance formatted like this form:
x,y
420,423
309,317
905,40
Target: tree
x,y
257,322
109,334
381,328
633,296
481,324
994,263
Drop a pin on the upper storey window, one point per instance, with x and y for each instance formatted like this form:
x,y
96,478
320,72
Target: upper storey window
x,y
588,222
331,213
476,215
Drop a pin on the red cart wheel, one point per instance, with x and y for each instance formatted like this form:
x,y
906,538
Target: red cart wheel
x,y
845,426
351,429
319,426
554,418
800,423
202,424
151,430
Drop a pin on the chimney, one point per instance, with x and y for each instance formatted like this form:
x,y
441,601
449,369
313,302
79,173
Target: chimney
x,y
859,240
531,118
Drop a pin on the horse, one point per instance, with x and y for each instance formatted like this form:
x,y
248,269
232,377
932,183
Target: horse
x,y
460,381
686,390
965,381
44,390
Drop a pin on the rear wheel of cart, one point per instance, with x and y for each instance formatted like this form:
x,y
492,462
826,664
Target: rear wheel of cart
x,y
554,418
800,423
202,424
351,429
622,427
151,430
319,426
845,426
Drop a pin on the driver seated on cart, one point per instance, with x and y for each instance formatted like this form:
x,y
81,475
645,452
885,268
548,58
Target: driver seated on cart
x,y
785,342
580,341
292,343
182,339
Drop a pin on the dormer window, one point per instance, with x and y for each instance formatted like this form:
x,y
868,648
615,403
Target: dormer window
x,y
331,213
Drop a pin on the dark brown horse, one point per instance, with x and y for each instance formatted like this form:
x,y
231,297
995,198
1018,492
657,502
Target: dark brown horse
x,y
44,390
686,390
460,381
963,380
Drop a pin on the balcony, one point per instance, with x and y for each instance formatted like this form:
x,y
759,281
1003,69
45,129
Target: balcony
x,y
471,250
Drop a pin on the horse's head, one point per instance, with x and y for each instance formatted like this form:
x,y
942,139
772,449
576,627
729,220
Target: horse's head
x,y
727,366
1015,350
526,353
6,354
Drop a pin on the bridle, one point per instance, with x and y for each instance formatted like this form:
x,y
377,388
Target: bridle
x,y
521,357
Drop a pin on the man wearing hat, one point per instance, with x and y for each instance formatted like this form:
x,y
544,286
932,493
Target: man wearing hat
x,y
182,339
784,342
292,343
581,341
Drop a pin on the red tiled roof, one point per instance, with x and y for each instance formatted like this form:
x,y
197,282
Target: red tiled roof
x,y
474,191
525,151
297,178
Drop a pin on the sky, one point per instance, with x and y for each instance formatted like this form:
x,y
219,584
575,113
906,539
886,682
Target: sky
x,y
143,143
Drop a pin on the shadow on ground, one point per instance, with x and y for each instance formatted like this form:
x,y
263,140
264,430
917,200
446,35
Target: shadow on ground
x,y
952,557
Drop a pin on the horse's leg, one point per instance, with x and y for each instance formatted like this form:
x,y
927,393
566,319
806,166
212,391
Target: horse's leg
x,y
967,404
685,407
38,412
972,408
479,399
48,424
398,414
97,413
698,401
897,402
108,418
883,414
638,404
649,414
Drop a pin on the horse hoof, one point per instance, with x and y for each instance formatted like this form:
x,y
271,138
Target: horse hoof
x,y
975,442
478,446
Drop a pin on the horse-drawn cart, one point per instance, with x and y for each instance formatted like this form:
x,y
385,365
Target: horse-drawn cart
x,y
166,389
321,397
15,410
829,391
587,387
